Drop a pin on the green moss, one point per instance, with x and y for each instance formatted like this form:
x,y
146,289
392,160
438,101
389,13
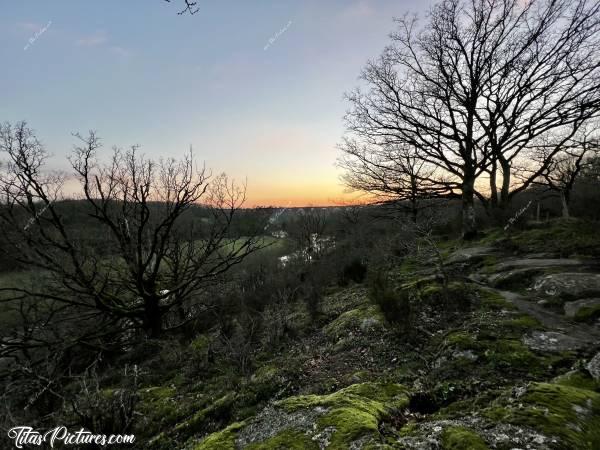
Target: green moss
x,y
498,353
587,314
390,394
566,237
523,323
265,374
264,383
408,266
462,340
222,440
200,344
511,353
457,409
159,406
456,295
286,440
491,236
493,301
489,263
157,393
565,412
408,429
579,379
459,438
361,375
160,409
431,290
354,319
352,422
353,412
216,410
108,393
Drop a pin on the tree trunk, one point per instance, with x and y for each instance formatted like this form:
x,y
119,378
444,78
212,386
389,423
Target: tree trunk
x,y
505,190
414,212
469,225
152,318
564,199
493,185
413,198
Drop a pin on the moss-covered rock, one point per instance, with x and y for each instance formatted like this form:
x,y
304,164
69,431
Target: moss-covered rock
x,y
336,420
159,407
462,340
587,313
264,374
220,409
222,440
569,414
288,440
563,237
492,300
353,412
497,353
460,438
580,379
523,323
361,319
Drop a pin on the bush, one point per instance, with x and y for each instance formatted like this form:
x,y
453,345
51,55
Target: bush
x,y
353,271
395,305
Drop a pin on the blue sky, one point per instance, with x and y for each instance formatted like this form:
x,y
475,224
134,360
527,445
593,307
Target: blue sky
x,y
138,73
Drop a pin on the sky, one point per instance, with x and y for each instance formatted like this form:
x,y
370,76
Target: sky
x,y
256,88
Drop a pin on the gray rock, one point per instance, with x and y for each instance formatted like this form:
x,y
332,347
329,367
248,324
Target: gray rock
x,y
593,367
538,263
270,421
514,276
469,254
570,284
551,341
572,308
466,354
428,435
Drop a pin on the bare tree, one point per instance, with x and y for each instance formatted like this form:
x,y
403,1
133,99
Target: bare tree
x,y
482,81
393,174
190,7
307,230
313,223
149,264
566,166
542,72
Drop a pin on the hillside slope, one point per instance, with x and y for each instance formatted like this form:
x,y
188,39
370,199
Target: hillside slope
x,y
504,356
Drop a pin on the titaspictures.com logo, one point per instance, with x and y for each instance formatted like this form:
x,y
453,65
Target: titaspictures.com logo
x,y
24,435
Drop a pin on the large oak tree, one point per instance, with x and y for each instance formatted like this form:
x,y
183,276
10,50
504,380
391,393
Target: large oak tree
x,y
479,83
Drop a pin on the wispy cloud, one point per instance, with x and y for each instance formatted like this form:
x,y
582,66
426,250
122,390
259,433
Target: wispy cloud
x,y
93,40
101,39
360,10
29,26
120,51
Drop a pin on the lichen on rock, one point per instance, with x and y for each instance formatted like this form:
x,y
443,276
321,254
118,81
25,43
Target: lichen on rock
x,y
332,421
569,414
